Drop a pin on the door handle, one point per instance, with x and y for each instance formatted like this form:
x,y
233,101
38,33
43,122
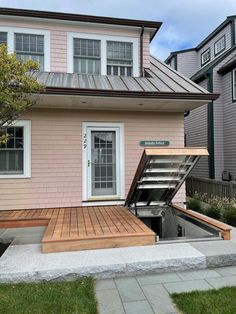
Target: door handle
x,y
89,163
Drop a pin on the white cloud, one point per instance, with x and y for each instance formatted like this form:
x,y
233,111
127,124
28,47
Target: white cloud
x,y
185,23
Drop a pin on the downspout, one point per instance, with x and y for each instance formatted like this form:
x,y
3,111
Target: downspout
x,y
141,52
210,123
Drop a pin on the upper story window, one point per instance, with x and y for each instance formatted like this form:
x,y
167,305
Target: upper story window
x,y
119,58
102,54
30,47
28,44
87,56
219,45
3,38
15,154
205,56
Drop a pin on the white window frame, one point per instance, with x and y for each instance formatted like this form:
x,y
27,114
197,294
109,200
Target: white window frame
x,y
102,126
222,38
234,85
26,124
103,39
11,31
202,55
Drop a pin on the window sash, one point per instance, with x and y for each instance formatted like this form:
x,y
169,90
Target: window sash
x,y
219,45
206,56
87,56
12,153
3,38
30,47
119,58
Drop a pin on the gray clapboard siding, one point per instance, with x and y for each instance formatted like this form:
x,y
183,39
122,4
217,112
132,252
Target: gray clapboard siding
x,y
229,125
187,63
196,131
225,31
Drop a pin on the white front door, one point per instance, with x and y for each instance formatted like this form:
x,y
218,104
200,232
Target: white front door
x,y
102,161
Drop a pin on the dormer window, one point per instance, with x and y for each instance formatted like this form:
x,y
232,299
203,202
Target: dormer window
x,y
119,58
205,56
87,56
30,47
219,45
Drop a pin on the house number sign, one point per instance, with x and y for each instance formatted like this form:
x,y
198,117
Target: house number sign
x,y
154,143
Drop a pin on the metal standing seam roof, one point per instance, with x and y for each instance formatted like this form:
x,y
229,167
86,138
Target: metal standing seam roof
x,y
160,81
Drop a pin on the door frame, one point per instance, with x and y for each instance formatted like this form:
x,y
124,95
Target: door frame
x,y
103,126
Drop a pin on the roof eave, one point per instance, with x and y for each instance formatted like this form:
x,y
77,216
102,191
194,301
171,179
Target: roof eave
x,y
130,94
81,18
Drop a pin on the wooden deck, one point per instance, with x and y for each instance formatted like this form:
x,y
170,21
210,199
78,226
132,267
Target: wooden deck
x,y
82,228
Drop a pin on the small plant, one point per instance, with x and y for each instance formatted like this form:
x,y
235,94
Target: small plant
x,y
213,212
195,205
229,215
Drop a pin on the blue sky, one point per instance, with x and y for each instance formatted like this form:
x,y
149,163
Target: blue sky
x,y
185,22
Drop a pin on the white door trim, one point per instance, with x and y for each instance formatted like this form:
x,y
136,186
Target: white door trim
x,y
121,167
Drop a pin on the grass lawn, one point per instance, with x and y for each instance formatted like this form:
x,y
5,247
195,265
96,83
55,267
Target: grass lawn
x,y
46,298
222,301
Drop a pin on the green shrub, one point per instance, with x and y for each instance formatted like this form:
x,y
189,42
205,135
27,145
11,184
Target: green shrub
x,y
195,205
213,212
229,215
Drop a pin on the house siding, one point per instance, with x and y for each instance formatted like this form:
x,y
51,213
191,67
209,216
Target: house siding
x,y
58,32
57,154
229,110
196,130
187,63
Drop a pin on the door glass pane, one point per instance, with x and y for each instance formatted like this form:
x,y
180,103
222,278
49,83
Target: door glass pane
x,y
103,162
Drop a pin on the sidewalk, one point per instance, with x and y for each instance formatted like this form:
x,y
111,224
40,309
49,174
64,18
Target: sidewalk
x,y
150,293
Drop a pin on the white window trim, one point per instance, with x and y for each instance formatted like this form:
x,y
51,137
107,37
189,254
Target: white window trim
x,y
202,55
120,183
222,38
103,39
11,44
26,124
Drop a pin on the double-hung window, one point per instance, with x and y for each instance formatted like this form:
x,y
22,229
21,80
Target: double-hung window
x,y
3,38
205,56
219,45
87,56
119,58
30,47
15,153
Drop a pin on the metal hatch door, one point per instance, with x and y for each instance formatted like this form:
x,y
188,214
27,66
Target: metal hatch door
x,y
160,174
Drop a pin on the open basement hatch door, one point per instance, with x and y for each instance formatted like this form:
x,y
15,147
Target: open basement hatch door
x,y
160,174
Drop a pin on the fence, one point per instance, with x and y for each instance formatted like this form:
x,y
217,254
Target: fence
x,y
210,187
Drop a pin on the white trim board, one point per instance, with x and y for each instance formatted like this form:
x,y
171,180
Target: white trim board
x,y
11,44
120,175
26,124
103,39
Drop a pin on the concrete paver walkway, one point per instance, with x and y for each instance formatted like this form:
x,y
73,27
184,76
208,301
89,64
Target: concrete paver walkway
x,y
151,293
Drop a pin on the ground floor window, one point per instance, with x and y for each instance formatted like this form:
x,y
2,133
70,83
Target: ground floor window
x,y
103,160
15,153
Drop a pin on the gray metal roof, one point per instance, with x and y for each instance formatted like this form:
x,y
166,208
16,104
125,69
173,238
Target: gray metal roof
x,y
159,79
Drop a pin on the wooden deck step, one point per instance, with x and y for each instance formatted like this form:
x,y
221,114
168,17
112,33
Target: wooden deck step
x,y
82,228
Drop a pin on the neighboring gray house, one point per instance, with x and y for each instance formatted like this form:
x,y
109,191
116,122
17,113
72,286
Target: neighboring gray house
x,y
212,64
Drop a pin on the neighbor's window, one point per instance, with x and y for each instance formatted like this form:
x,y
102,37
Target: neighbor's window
x,y
234,84
12,153
219,46
119,58
87,56
3,38
30,47
205,56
